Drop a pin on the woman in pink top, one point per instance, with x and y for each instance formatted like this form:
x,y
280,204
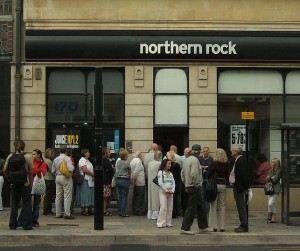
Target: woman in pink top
x,y
263,169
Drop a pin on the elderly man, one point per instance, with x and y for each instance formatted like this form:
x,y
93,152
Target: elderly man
x,y
178,160
192,177
138,176
186,154
239,179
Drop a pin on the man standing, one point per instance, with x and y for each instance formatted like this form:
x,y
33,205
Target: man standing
x,y
205,161
184,194
64,186
138,176
192,177
22,191
239,179
186,154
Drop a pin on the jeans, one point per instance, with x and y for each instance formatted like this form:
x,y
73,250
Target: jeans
x,y
25,217
195,204
36,208
123,189
138,199
241,207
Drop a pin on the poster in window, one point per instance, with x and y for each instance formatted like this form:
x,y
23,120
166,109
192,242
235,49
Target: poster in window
x,y
238,136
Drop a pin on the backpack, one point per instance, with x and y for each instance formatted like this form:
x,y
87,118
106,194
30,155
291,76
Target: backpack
x,y
17,172
211,190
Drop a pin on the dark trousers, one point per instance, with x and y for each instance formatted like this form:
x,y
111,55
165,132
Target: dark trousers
x,y
49,195
138,199
195,204
177,200
241,205
36,208
25,217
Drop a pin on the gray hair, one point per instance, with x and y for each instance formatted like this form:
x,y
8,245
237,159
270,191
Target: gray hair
x,y
238,149
158,156
195,153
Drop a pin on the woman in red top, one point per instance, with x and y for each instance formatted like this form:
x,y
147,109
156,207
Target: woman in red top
x,y
39,167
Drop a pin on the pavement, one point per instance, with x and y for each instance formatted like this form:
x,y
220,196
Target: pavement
x,y
140,230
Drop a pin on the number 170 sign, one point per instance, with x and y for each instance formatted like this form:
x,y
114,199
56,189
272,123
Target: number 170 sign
x,y
238,136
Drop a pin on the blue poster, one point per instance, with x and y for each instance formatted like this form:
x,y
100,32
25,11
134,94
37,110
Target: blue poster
x,y
117,140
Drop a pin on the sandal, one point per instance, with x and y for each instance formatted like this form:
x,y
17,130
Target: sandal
x,y
107,213
84,213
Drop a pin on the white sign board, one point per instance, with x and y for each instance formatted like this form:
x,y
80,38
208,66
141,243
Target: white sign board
x,y
238,136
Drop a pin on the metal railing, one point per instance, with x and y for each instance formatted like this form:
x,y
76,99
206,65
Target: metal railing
x,y
5,7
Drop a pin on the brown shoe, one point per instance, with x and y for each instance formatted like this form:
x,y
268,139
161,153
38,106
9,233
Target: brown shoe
x,y
240,230
69,217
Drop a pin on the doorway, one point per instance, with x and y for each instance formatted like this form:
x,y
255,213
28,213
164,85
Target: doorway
x,y
167,136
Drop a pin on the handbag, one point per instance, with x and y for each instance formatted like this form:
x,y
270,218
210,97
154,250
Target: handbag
x,y
155,180
211,190
39,185
113,182
64,169
269,188
77,176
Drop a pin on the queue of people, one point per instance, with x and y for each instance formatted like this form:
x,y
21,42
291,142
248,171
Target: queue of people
x,y
180,189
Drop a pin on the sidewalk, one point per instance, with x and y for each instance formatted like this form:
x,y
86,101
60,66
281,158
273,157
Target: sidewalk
x,y
140,230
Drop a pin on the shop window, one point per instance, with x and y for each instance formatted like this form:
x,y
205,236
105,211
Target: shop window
x,y
250,82
5,7
292,88
292,84
113,91
170,98
262,135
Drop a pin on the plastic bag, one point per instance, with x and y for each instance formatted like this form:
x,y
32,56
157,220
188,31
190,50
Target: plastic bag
x,y
39,185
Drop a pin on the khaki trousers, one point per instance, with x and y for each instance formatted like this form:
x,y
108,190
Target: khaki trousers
x,y
64,189
220,203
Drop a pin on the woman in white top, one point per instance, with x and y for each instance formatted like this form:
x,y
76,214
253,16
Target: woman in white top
x,y
166,191
153,199
85,192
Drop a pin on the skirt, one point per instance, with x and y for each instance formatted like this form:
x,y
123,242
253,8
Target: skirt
x,y
106,191
84,195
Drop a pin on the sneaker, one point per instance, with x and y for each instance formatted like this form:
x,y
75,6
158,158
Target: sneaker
x,y
189,232
206,230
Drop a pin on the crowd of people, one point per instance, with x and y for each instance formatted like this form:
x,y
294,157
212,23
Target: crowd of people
x,y
178,191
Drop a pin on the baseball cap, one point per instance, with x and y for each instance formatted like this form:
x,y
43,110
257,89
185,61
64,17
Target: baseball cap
x,y
196,147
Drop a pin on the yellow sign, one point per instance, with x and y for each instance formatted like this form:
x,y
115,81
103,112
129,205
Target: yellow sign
x,y
248,115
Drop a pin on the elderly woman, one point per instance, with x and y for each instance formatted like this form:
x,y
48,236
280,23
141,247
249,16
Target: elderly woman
x,y
219,167
153,200
274,176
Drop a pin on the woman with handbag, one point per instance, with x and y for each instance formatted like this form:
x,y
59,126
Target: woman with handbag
x,y
219,167
108,175
39,169
274,176
167,187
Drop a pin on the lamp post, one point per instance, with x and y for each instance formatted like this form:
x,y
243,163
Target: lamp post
x,y
98,140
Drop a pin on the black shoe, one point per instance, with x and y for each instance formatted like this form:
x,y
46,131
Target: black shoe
x,y
222,230
13,228
28,228
215,230
36,224
69,217
240,230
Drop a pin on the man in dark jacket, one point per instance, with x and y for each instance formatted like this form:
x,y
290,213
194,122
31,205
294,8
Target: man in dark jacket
x,y
239,179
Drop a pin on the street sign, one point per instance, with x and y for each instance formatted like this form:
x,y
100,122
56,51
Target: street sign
x,y
248,116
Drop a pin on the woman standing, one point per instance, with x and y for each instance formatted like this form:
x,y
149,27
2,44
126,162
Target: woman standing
x,y
123,173
166,191
274,176
50,183
108,174
39,168
85,191
220,168
153,189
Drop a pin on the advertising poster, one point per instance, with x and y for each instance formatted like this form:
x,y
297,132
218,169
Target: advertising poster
x,y
238,136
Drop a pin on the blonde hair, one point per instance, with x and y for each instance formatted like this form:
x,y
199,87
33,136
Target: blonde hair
x,y
220,156
49,152
171,156
123,154
277,161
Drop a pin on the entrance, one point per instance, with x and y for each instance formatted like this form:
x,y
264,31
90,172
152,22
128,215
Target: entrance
x,y
167,136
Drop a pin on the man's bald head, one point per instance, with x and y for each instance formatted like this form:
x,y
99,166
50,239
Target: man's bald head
x,y
173,148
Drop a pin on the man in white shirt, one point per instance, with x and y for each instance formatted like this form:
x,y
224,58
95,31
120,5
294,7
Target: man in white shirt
x,y
138,176
64,186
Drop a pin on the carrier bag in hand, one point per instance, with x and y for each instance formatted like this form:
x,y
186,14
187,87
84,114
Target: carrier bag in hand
x,y
39,185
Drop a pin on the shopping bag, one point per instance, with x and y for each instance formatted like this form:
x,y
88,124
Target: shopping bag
x,y
39,185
